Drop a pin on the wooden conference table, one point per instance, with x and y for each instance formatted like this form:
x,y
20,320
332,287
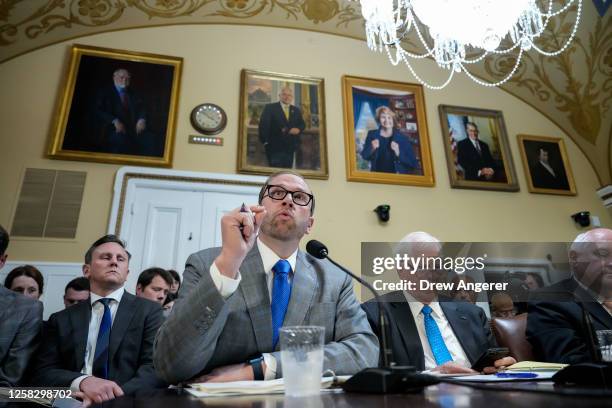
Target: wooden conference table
x,y
542,394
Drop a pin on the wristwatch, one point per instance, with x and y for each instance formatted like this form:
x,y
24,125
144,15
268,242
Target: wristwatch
x,y
257,365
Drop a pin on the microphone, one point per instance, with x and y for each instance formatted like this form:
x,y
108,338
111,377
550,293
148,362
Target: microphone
x,y
389,378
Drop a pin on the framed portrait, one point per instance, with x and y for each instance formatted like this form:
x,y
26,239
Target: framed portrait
x,y
546,165
386,139
117,107
477,151
282,124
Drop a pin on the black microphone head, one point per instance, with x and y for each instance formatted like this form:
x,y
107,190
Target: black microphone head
x,y
316,249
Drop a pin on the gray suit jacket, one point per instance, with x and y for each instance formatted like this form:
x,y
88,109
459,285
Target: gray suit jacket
x,y
20,325
205,331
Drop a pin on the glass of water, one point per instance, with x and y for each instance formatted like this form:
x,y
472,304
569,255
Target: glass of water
x,y
302,359
604,338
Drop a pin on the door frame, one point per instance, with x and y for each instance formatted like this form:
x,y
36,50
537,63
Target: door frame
x,y
129,178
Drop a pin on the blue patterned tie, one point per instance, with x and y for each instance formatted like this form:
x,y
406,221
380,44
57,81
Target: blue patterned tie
x,y
436,342
100,363
281,292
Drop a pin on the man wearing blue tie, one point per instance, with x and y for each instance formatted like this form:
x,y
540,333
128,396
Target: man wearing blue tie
x,y
225,323
431,335
101,348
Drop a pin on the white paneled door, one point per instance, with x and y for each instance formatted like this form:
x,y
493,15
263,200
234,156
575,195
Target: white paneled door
x,y
166,220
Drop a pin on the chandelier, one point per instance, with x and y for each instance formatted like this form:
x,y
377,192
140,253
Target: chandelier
x,y
458,25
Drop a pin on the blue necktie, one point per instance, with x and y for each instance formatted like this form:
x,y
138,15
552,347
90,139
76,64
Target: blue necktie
x,y
436,342
100,362
281,292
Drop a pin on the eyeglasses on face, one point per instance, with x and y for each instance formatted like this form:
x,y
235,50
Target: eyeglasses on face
x,y
278,193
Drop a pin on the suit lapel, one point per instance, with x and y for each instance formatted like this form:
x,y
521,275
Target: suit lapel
x,y
254,290
80,315
125,313
595,309
303,289
406,325
459,323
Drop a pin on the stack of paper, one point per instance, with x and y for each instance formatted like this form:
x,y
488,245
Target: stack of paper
x,y
535,366
245,387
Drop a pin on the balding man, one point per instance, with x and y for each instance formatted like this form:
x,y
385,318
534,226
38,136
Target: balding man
x,y
431,335
280,126
555,325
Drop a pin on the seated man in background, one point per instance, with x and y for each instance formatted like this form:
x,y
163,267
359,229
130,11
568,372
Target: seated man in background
x,y
77,290
555,323
234,299
154,284
101,348
20,324
428,334
502,306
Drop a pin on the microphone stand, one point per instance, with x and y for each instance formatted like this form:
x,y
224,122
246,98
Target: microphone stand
x,y
598,373
388,379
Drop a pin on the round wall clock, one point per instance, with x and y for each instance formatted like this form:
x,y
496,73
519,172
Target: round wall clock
x,y
208,118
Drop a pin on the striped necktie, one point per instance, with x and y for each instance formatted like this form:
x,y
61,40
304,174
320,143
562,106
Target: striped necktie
x,y
100,363
436,341
281,292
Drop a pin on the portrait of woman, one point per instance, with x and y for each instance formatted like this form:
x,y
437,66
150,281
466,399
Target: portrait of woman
x,y
386,149
385,132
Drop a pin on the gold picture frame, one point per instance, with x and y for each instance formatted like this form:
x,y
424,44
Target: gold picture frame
x,y
547,167
282,124
396,151
117,107
477,150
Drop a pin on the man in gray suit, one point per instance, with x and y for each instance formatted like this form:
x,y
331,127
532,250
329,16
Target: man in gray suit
x,y
20,323
224,326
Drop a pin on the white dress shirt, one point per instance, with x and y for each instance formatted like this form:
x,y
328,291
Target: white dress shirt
x,y
226,286
450,339
97,311
548,168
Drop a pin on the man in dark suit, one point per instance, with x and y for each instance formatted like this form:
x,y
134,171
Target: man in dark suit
x,y
555,327
474,156
544,175
428,334
280,127
233,301
121,117
101,348
20,323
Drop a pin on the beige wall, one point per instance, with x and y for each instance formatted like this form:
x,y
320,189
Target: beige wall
x,y
213,57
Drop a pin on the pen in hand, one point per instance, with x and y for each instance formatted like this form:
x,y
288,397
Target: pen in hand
x,y
243,209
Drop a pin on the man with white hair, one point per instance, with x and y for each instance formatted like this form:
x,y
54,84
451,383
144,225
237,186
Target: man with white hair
x,y
555,324
429,334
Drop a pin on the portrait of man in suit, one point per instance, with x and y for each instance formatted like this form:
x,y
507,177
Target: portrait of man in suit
x,y
555,324
280,126
546,166
101,348
120,107
474,156
427,331
233,300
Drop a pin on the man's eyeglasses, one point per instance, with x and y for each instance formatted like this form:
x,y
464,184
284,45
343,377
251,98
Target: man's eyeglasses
x,y
279,193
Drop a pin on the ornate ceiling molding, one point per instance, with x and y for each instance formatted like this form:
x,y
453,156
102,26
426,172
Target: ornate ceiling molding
x,y
574,90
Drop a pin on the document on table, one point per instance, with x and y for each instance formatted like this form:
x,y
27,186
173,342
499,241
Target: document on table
x,y
201,390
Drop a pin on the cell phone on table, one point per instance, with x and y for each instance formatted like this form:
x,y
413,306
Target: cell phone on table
x,y
488,358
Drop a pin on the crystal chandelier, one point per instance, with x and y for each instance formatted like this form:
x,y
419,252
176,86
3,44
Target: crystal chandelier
x,y
458,25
